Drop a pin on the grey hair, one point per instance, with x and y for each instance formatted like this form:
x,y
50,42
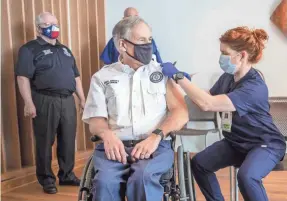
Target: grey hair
x,y
39,19
123,28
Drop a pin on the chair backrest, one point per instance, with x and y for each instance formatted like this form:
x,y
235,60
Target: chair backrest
x,y
196,114
278,110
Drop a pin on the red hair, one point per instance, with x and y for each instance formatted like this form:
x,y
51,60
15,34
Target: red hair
x,y
244,39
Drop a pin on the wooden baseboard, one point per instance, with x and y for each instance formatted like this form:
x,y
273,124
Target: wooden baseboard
x,y
15,179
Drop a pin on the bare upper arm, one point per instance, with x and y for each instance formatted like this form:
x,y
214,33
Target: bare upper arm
x,y
174,96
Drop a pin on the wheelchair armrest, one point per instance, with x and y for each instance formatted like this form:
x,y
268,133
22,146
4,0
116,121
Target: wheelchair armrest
x,y
194,132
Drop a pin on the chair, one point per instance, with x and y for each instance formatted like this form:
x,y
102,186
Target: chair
x,y
278,110
209,124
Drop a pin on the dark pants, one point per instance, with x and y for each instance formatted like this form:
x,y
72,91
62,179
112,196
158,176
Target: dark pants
x,y
55,115
254,166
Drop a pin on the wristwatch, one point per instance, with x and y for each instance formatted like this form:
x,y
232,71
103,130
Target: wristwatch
x,y
159,132
178,76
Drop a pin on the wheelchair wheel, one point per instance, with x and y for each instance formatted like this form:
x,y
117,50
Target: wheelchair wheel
x,y
181,173
186,182
86,181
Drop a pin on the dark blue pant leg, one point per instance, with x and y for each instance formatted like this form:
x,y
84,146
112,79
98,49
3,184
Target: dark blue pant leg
x,y
219,155
143,184
109,182
258,163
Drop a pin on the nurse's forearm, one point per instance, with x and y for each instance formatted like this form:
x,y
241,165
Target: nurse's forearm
x,y
206,102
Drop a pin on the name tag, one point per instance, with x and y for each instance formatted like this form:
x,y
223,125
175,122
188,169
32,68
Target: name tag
x,y
226,121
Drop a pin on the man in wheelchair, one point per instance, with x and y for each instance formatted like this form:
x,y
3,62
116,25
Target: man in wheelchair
x,y
132,107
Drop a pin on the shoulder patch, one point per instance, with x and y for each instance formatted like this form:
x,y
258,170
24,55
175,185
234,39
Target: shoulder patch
x,y
156,77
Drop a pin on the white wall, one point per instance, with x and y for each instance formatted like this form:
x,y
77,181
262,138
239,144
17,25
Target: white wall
x,y
187,31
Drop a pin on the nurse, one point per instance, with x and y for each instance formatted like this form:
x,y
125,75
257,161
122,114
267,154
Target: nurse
x,y
252,141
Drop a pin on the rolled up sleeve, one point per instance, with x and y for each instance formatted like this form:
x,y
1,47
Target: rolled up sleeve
x,y
96,101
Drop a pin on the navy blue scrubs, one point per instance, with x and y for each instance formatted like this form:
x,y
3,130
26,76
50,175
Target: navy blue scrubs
x,y
111,55
254,144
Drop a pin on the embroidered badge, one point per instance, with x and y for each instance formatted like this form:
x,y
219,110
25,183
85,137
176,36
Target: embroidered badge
x,y
48,51
156,77
111,82
66,52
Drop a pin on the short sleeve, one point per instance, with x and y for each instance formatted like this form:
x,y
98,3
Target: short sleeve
x,y
215,90
75,69
96,101
156,52
25,64
249,97
106,55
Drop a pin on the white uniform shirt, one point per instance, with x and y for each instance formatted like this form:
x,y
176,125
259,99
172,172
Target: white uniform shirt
x,y
134,102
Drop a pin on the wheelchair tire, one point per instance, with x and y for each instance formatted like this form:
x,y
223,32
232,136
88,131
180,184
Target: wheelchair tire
x,y
86,181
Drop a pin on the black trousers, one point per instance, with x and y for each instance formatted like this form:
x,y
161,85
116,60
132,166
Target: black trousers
x,y
55,115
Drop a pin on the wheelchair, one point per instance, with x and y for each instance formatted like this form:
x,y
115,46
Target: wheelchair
x,y
168,181
175,189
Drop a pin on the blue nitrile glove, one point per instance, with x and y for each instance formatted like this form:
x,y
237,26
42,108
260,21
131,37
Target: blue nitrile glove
x,y
168,69
187,76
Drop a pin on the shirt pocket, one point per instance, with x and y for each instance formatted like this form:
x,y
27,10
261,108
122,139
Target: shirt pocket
x,y
117,98
44,62
155,98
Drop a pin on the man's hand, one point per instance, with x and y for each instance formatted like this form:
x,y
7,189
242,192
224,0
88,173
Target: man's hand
x,y
114,148
144,149
29,110
82,106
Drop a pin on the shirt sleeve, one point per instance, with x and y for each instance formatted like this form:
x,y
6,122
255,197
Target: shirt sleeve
x,y
106,55
25,64
215,90
156,52
75,69
96,101
249,97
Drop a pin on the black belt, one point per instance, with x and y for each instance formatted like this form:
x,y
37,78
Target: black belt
x,y
48,93
131,143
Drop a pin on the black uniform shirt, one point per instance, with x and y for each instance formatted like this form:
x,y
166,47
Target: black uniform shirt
x,y
50,68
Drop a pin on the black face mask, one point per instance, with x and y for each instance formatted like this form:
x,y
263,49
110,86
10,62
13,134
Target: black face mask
x,y
142,52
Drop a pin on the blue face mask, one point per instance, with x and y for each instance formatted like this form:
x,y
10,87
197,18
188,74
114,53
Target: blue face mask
x,y
226,65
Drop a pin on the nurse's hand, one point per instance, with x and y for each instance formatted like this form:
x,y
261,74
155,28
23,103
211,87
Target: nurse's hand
x,y
114,148
145,148
168,69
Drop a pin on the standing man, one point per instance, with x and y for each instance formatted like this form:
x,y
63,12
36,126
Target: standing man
x,y
47,77
111,55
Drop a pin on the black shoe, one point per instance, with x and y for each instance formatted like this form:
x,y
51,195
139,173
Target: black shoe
x,y
73,182
50,189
